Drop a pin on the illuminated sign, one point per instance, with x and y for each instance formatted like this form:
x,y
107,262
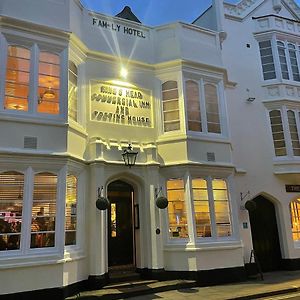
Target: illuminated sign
x,y
292,188
118,28
120,105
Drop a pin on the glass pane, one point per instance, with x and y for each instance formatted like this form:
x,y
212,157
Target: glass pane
x,y
11,204
43,210
222,211
49,83
295,219
267,60
17,79
71,210
277,133
176,209
212,108
193,105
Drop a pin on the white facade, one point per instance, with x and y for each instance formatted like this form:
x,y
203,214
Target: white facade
x,y
194,105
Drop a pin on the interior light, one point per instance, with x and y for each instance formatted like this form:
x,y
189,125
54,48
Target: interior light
x,y
123,73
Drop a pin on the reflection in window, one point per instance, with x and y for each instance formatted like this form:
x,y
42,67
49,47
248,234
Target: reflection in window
x,y
277,133
17,78
113,219
267,60
193,106
201,207
295,219
176,208
170,106
293,62
73,85
221,204
212,108
43,211
71,211
293,132
11,203
282,59
49,83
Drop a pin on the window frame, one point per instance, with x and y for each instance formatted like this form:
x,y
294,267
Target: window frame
x,y
284,108
190,212
35,47
222,113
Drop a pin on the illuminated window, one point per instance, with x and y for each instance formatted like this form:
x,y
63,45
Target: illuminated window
x,y
11,205
211,193
176,209
295,219
201,207
293,132
71,211
170,101
43,211
73,86
49,83
221,205
17,78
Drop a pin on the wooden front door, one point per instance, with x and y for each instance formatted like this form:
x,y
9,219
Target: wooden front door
x,y
120,224
265,234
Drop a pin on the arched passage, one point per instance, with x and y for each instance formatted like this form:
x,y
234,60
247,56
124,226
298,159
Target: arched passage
x,y
121,243
265,234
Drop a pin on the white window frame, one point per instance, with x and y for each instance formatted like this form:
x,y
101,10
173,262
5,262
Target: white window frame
x,y
286,131
221,107
193,240
35,47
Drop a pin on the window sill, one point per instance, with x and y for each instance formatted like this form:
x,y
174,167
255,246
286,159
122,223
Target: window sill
x,y
193,136
211,245
33,119
286,165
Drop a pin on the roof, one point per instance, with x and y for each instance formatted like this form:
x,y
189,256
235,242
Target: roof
x,y
127,14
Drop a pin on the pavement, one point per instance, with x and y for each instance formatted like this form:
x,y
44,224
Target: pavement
x,y
274,283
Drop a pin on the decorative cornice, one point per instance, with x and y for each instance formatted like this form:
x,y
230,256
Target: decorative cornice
x,y
245,7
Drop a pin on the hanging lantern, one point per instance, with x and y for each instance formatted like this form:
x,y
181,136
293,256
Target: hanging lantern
x,y
129,156
102,203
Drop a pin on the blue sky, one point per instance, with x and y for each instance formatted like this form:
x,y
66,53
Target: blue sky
x,y
154,12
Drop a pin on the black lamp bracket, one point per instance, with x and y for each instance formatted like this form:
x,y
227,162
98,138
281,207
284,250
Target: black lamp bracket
x,y
244,195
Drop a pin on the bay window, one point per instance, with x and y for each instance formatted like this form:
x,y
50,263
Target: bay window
x,y
285,125
32,81
210,213
287,55
203,108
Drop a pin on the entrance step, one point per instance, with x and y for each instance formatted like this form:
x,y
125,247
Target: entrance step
x,y
134,288
123,276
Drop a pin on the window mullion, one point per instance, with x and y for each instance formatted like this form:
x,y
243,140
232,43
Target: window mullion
x,y
276,58
3,60
190,208
27,207
286,132
202,106
288,61
34,73
211,207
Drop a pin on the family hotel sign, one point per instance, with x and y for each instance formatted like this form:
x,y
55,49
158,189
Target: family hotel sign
x,y
118,28
120,105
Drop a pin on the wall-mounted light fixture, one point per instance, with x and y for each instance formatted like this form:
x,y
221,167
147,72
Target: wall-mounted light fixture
x,y
48,94
102,203
123,73
160,200
129,156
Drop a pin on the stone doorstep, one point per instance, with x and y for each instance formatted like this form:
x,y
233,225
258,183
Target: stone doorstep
x,y
133,289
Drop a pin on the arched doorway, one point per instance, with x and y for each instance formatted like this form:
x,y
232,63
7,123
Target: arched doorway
x,y
265,234
121,248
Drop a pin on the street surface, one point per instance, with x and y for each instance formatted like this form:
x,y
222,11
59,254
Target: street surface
x,y
292,296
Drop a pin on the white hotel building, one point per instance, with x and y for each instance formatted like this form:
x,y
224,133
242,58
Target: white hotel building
x,y
213,110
